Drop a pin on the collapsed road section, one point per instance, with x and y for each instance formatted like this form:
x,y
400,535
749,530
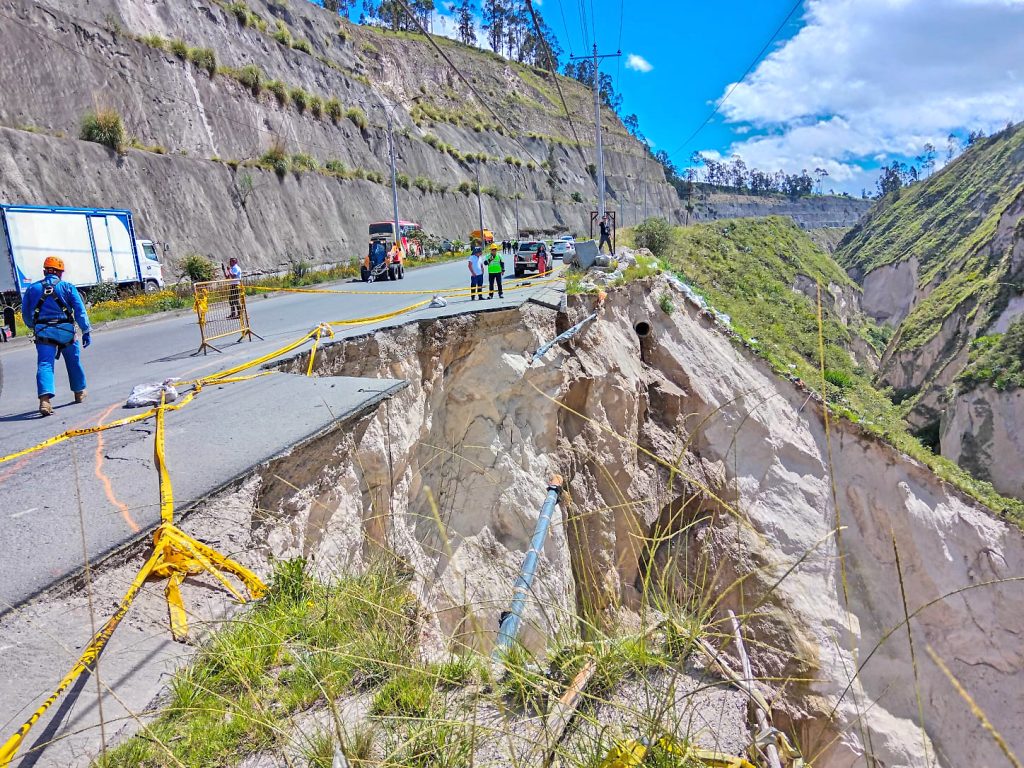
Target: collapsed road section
x,y
696,481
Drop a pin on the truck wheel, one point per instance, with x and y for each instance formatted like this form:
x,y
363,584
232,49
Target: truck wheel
x,y
364,273
152,286
401,273
519,272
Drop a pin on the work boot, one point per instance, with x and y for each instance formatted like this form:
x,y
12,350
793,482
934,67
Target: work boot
x,y
80,396
45,409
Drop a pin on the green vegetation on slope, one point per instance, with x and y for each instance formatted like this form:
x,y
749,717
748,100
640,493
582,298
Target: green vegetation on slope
x,y
934,220
948,224
997,360
746,268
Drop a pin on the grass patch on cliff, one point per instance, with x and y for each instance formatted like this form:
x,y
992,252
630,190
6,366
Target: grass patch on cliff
x,y
996,360
306,641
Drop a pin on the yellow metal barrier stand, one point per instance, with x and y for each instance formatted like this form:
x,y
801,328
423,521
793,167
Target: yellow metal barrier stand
x,y
221,311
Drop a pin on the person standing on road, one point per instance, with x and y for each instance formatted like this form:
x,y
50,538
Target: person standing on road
x,y
476,274
495,270
51,308
233,273
605,235
542,258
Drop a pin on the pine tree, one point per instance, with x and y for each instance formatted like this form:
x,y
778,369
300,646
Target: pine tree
x,y
464,29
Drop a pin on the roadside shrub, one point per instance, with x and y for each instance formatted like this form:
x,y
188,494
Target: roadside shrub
x,y
334,109
197,268
665,302
280,91
204,58
358,173
300,99
375,176
432,140
357,116
423,184
251,76
282,34
576,197
654,234
302,161
304,46
179,48
464,187
316,106
402,180
335,167
102,292
104,126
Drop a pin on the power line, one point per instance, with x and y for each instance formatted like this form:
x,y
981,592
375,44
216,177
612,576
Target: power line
x,y
746,72
554,74
565,25
462,77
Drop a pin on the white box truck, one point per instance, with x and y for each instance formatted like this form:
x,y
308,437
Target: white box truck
x,y
98,245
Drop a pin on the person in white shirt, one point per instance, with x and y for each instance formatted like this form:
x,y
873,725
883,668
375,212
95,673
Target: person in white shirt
x,y
233,273
476,274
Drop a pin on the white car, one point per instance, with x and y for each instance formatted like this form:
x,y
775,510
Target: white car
x,y
563,249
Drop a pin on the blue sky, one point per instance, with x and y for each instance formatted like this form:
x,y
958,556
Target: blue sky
x,y
848,85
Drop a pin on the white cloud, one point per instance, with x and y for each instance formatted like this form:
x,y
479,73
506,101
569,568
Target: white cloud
x,y
637,63
869,78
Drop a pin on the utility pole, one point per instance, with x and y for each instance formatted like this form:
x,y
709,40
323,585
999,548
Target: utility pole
x,y
394,178
479,205
597,122
515,177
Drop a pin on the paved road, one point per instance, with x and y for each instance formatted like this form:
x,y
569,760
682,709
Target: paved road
x,y
210,442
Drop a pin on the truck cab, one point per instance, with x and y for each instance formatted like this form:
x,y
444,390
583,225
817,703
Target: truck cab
x,y
150,269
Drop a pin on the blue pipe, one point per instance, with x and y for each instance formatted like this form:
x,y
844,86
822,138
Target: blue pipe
x,y
513,619
564,335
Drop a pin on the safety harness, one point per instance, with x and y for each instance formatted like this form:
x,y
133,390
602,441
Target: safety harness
x,y
50,292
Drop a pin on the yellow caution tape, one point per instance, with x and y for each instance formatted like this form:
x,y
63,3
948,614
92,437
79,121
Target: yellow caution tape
x,y
378,318
631,754
175,556
512,285
85,661
320,331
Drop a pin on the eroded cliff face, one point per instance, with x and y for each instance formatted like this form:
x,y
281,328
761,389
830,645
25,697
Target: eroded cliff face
x,y
981,431
694,473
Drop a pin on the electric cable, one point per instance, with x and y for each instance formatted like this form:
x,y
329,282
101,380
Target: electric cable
x,y
746,72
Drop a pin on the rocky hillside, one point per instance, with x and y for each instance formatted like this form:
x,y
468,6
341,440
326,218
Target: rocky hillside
x,y
943,263
255,129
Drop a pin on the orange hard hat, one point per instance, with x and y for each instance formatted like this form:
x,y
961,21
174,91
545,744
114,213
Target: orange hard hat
x,y
54,262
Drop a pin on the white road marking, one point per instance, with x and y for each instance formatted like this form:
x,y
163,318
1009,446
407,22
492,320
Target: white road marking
x,y
23,512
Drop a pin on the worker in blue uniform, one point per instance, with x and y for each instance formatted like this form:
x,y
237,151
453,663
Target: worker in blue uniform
x,y
51,308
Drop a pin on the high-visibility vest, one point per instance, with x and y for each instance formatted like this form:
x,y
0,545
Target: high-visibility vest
x,y
494,263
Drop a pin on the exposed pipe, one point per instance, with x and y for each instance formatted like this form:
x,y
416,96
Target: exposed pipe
x,y
513,619
564,335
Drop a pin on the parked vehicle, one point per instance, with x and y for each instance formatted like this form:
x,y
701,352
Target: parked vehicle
x,y
474,238
385,230
526,257
563,249
390,267
98,245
